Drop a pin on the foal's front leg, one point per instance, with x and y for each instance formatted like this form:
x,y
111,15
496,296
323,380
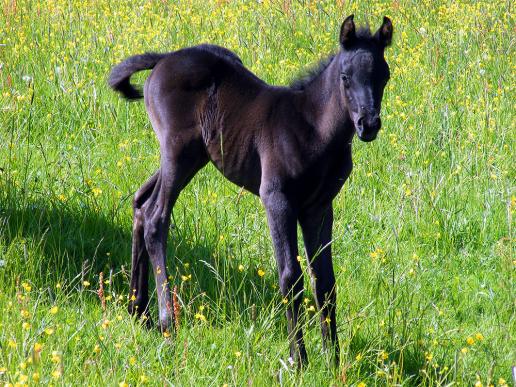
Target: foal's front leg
x,y
283,228
316,226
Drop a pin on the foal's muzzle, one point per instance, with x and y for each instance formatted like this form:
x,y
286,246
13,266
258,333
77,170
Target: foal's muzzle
x,y
367,127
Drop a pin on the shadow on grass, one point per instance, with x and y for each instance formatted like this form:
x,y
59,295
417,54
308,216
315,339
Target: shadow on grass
x,y
60,242
46,242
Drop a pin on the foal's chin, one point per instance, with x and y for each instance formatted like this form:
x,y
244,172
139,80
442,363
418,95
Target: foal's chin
x,y
367,137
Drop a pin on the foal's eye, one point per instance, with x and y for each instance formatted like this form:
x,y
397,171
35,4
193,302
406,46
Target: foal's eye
x,y
345,79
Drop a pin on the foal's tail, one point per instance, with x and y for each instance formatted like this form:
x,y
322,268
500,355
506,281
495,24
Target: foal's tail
x,y
121,73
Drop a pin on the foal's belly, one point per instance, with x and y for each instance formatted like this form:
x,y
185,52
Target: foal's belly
x,y
239,163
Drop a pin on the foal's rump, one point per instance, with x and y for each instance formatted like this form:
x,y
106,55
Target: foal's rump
x,y
119,79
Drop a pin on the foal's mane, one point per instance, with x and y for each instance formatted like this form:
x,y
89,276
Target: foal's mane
x,y
300,83
311,74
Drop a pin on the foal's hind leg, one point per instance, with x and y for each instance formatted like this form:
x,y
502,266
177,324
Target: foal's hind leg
x,y
180,160
139,292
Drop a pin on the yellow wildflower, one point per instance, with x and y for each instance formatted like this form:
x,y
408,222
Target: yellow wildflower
x,y
96,191
56,357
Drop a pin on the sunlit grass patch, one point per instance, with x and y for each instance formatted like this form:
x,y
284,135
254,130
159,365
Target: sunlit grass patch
x,y
423,237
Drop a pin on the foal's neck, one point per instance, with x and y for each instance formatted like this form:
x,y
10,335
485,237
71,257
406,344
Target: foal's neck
x,y
323,106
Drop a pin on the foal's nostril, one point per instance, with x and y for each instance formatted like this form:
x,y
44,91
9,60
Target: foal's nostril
x,y
373,123
377,123
360,121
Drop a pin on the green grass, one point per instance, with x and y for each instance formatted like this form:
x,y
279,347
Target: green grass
x,y
424,244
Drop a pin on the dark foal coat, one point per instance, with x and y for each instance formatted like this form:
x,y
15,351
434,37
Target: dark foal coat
x,y
289,145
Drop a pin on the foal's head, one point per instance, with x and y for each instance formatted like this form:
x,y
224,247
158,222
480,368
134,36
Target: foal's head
x,y
364,74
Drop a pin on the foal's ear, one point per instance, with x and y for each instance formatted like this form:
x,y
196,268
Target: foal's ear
x,y
384,33
347,32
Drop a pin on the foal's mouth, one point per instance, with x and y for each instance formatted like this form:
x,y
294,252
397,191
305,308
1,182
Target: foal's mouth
x,y
367,137
367,130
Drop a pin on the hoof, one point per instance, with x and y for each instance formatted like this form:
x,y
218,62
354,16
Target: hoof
x,y
166,323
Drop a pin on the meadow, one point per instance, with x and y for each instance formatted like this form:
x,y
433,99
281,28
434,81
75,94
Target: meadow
x,y
424,243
